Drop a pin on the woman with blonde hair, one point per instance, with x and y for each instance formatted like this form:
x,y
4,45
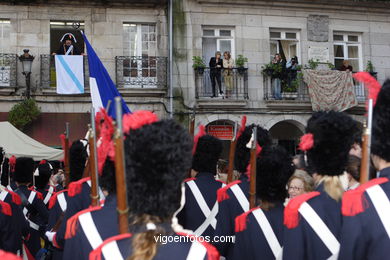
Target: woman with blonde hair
x,y
299,183
228,64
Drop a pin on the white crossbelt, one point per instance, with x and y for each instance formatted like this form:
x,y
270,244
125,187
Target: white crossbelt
x,y
209,221
69,50
111,251
90,230
268,233
48,195
30,200
382,205
197,251
320,228
3,195
101,195
9,188
240,196
62,201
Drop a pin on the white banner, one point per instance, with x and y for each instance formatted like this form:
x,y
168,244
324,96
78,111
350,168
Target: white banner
x,y
70,74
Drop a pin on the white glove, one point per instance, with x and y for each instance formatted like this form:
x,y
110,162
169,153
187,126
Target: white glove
x,y
50,235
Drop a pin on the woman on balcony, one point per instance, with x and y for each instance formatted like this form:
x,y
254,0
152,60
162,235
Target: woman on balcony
x,y
277,78
215,65
228,64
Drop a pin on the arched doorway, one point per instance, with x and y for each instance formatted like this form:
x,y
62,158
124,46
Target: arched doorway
x,y
287,134
224,130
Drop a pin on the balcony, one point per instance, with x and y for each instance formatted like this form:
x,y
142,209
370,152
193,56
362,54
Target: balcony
x,y
297,95
136,72
8,70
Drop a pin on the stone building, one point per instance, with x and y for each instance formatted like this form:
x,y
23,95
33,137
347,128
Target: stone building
x,y
330,31
130,37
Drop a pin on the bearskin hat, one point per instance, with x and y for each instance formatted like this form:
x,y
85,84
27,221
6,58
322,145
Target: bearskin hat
x,y
42,174
107,178
24,170
380,142
207,154
242,155
77,158
158,157
334,134
274,168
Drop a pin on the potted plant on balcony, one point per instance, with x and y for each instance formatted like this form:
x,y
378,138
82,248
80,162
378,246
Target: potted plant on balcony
x,y
370,69
272,69
198,65
240,63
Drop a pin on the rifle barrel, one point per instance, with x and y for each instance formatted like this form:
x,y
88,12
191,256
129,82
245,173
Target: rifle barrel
x,y
252,188
366,146
232,152
93,162
66,155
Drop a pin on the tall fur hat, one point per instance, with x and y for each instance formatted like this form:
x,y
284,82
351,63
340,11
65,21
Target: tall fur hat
x,y
380,142
24,170
107,178
42,174
158,157
242,155
333,136
274,168
207,154
77,158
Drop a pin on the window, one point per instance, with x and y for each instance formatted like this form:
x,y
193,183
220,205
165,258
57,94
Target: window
x,y
5,68
140,45
217,39
5,26
347,46
59,28
284,42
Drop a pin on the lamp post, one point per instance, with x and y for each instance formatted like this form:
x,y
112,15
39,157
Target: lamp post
x,y
27,60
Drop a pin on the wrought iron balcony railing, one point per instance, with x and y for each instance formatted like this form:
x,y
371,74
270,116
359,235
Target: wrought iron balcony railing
x,y
8,70
141,72
48,71
234,83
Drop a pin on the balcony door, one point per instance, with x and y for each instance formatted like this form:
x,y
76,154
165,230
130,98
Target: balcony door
x,y
140,48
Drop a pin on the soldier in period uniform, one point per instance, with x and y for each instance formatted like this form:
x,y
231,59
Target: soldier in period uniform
x,y
313,220
259,231
366,210
42,176
233,198
201,206
67,47
158,156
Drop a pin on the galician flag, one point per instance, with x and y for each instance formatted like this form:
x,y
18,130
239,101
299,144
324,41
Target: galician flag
x,y
70,74
102,87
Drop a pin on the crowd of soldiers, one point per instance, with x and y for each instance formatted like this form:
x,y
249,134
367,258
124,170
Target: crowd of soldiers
x,y
169,189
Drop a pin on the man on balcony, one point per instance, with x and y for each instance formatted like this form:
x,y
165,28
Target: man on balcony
x,y
68,47
215,65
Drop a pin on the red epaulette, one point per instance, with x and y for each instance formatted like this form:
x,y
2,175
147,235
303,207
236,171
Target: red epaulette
x,y
190,179
353,200
76,187
5,208
97,253
15,197
212,252
8,256
291,216
71,223
53,198
222,192
39,195
240,221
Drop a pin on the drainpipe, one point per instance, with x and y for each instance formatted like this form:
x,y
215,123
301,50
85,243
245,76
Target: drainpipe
x,y
170,35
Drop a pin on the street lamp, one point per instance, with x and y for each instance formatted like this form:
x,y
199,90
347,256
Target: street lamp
x,y
27,60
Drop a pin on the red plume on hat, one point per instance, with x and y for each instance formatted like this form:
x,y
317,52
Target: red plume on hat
x,y
201,132
370,83
138,119
307,142
106,147
12,163
242,128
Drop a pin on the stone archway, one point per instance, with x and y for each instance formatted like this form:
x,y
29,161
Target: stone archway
x,y
287,134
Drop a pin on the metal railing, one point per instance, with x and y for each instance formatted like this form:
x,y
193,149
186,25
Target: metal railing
x,y
234,83
8,70
141,72
302,91
48,71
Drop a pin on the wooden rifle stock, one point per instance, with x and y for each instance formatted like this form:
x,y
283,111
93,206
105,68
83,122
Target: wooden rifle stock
x,y
252,187
93,169
232,152
66,156
191,130
366,146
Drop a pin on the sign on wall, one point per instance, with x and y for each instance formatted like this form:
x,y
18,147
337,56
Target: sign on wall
x,y
5,72
318,53
223,132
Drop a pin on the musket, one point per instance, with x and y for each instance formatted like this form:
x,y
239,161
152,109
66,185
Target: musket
x,y
66,155
120,175
191,129
93,161
252,187
366,146
232,152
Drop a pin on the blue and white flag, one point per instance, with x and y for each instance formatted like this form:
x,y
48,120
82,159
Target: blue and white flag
x,y
102,87
70,74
